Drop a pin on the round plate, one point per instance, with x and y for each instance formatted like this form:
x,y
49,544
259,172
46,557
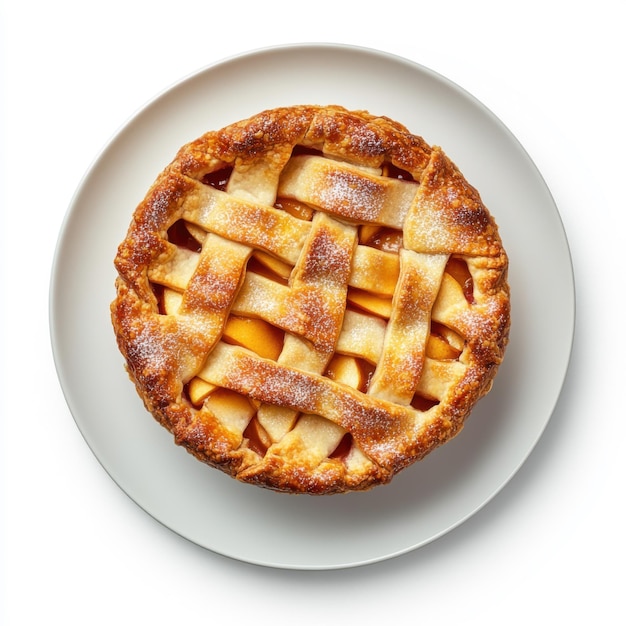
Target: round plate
x,y
425,500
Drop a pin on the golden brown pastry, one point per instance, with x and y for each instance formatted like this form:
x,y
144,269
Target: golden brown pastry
x,y
311,299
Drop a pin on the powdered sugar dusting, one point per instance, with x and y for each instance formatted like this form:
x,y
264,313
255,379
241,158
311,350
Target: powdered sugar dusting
x,y
352,196
149,348
478,321
268,382
366,141
328,258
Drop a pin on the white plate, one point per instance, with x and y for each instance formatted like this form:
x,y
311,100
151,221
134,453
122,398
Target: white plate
x,y
426,500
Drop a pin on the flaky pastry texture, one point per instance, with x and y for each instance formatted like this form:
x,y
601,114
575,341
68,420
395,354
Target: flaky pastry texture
x,y
311,299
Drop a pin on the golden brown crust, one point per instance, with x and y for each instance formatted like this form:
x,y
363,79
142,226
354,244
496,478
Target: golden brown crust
x,y
281,420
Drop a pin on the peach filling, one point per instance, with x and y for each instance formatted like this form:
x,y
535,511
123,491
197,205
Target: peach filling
x,y
350,371
457,268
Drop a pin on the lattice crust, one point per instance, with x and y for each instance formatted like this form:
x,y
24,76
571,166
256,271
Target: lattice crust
x,y
311,299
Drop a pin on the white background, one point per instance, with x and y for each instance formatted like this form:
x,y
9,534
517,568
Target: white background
x,y
548,549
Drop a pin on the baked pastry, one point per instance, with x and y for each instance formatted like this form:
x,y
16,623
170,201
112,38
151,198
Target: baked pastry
x,y
311,299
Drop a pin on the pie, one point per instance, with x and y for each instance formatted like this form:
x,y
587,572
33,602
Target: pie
x,y
311,299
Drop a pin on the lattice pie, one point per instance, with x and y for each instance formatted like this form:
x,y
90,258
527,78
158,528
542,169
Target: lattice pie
x,y
311,299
